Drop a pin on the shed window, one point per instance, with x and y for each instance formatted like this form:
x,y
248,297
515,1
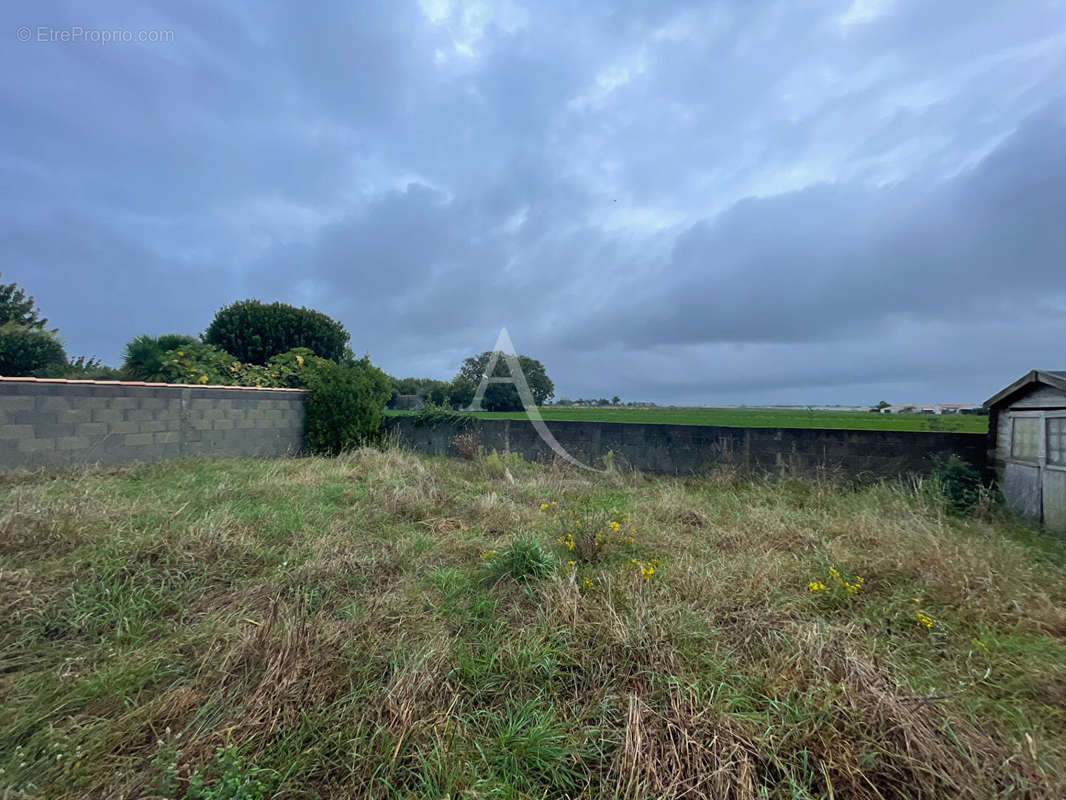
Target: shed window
x,y
1025,438
1056,440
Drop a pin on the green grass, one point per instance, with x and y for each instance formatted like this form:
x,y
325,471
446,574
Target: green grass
x,y
756,418
395,626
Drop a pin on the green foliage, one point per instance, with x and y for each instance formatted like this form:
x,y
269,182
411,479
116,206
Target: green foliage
x,y
236,780
84,368
197,362
433,415
254,332
503,396
522,560
142,358
17,308
461,392
29,351
344,405
960,482
206,364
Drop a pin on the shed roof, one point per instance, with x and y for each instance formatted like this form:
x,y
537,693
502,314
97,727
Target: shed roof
x,y
1048,377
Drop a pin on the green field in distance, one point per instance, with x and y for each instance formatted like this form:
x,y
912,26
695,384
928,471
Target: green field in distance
x,y
754,417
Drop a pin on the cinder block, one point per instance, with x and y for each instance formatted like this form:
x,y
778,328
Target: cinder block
x,y
35,417
126,427
123,403
200,424
166,437
53,403
73,443
50,430
152,426
16,432
138,415
107,415
75,414
36,445
152,403
136,439
15,403
244,424
201,404
90,429
223,425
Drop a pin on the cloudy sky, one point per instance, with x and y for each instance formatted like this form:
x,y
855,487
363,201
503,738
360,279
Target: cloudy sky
x,y
748,201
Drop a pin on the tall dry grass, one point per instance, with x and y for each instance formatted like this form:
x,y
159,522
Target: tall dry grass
x,y
337,628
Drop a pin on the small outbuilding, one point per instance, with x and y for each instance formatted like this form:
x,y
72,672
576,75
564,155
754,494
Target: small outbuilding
x,y
1028,423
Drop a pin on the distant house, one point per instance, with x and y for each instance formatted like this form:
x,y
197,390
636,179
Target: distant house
x,y
1027,421
936,408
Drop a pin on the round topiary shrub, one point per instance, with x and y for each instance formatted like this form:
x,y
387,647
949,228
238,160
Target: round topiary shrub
x,y
26,351
254,332
344,405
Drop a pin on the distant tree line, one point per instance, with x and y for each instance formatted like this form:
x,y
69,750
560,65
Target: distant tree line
x,y
459,392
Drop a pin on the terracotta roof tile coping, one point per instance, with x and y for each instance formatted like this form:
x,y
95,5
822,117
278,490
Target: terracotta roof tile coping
x,y
145,383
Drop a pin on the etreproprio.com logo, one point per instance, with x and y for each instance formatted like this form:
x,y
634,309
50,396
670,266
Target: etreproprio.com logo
x,y
77,33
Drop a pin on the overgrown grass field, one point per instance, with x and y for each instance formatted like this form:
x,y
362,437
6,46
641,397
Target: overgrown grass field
x,y
757,418
395,626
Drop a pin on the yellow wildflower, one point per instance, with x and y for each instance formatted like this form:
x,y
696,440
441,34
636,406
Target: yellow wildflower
x,y
924,619
815,586
615,526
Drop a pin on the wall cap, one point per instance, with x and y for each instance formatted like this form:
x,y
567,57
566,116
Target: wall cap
x,y
152,385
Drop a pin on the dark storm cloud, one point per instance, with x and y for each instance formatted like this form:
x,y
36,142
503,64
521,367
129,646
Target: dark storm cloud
x,y
698,202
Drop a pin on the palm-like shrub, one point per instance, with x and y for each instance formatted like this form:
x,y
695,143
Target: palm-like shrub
x,y
142,358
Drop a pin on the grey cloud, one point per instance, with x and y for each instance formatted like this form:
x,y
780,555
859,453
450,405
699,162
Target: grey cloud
x,y
679,201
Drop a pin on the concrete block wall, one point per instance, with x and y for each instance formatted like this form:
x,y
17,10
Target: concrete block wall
x,y
47,423
683,449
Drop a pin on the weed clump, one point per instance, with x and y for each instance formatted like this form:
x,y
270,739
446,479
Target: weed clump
x,y
522,560
959,481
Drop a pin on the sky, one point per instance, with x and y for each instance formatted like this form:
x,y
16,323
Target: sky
x,y
692,203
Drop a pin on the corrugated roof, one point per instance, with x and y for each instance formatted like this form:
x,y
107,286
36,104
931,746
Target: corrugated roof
x,y
154,385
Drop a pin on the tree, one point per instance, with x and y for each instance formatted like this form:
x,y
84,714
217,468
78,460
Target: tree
x,y
29,351
254,332
616,401
17,308
503,396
